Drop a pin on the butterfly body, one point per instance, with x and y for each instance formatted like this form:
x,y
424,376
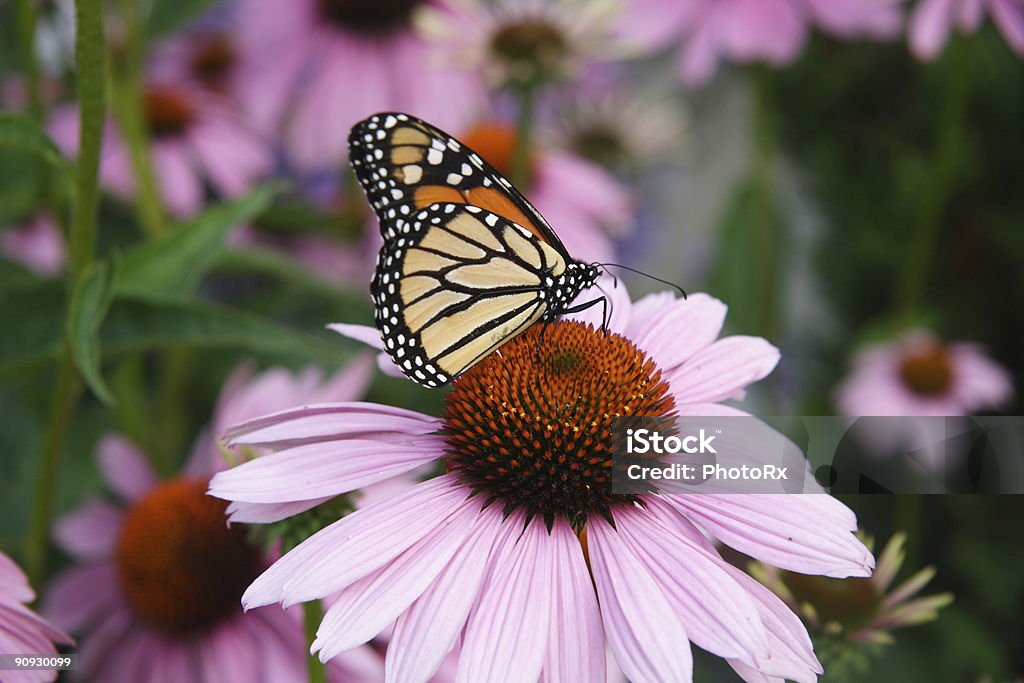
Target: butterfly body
x,y
467,262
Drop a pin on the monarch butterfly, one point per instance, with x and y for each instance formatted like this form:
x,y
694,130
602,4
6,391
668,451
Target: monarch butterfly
x,y
467,263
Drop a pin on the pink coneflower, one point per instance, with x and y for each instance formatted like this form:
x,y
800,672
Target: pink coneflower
x,y
932,21
523,43
160,573
919,374
38,245
22,631
325,64
521,550
196,138
770,31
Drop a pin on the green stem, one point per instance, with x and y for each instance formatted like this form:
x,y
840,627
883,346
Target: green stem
x,y
934,199
91,69
65,400
520,171
89,62
763,234
128,109
313,615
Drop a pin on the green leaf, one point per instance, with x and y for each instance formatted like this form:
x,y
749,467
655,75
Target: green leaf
x,y
32,324
90,301
18,131
173,265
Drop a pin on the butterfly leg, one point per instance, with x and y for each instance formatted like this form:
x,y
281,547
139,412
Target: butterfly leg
x,y
540,337
590,304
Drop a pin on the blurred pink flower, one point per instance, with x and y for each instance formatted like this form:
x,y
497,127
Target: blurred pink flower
x,y
22,631
523,43
38,245
919,374
325,64
196,137
160,573
932,21
534,569
771,31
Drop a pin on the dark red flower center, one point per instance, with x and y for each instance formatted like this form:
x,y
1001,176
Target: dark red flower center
x,y
181,567
533,427
927,371
168,111
373,17
600,144
212,60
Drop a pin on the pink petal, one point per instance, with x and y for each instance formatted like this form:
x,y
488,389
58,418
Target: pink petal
x,y
723,369
228,655
357,544
507,634
806,533
700,54
125,468
330,421
929,28
90,532
367,334
267,513
647,638
14,584
1009,17
282,645
576,649
179,184
429,629
680,330
717,614
78,597
367,606
321,470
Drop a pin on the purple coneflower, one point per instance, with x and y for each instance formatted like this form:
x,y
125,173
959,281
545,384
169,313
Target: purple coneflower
x,y
520,550
196,138
920,374
325,64
22,631
38,245
522,43
770,31
932,21
159,573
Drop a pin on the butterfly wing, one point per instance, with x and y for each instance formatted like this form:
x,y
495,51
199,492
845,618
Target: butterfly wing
x,y
405,165
454,284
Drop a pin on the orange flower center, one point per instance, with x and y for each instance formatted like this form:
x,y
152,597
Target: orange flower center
x,y
373,17
496,143
534,426
213,59
181,567
168,111
929,371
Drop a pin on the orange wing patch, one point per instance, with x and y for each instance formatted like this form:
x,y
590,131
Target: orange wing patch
x,y
487,198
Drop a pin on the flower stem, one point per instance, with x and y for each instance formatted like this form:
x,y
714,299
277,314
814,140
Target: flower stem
x,y
934,200
313,614
520,171
763,234
89,60
128,109
27,20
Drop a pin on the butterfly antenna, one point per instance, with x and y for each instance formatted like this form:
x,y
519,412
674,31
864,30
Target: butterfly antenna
x,y
640,272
